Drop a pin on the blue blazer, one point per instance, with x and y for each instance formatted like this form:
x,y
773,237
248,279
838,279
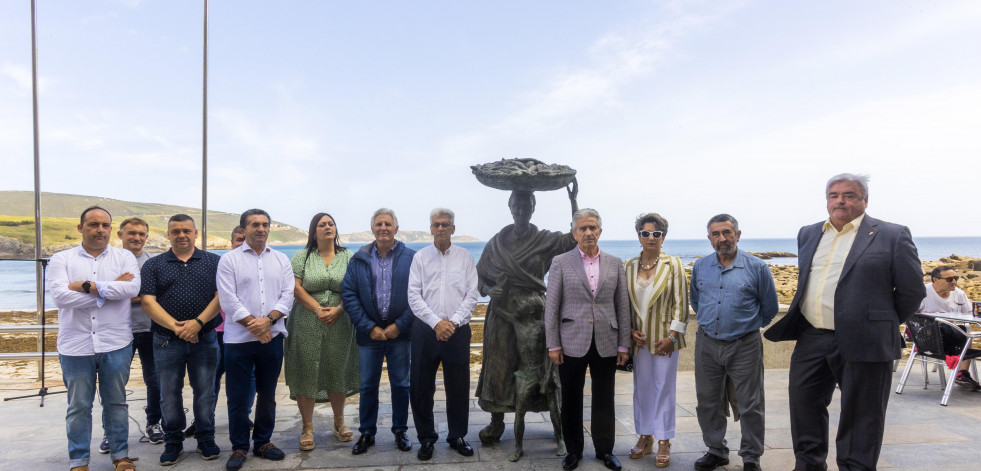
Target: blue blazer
x,y
358,293
880,287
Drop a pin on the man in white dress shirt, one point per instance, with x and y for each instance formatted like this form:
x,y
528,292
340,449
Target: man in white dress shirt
x,y
92,285
943,295
442,295
255,289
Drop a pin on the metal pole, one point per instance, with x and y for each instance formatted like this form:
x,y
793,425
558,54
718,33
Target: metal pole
x,y
204,138
38,268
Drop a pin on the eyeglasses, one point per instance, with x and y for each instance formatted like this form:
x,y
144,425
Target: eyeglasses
x,y
437,225
951,279
655,234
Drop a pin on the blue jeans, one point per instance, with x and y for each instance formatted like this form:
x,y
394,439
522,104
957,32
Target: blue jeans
x,y
397,354
240,361
80,373
173,356
143,344
221,372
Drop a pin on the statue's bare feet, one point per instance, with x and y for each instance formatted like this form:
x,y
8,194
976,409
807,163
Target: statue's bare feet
x,y
560,449
492,432
518,453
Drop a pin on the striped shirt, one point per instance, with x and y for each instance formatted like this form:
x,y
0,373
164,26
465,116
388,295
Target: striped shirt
x,y
667,303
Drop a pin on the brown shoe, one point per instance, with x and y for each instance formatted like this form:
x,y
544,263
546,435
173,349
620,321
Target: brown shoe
x,y
124,464
662,460
645,446
81,468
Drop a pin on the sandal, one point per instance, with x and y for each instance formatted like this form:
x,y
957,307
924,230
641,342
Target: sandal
x,y
662,460
124,464
306,438
645,446
343,433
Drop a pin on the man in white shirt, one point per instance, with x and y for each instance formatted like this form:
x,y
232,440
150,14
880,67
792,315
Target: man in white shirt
x,y
442,295
255,289
943,295
92,285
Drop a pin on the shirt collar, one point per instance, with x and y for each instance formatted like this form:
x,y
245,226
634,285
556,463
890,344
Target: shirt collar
x,y
171,257
248,248
81,250
853,225
587,257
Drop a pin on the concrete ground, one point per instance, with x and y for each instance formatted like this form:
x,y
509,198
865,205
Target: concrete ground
x,y
920,434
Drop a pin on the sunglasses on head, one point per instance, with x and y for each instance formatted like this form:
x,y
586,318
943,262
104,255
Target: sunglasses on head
x,y
655,234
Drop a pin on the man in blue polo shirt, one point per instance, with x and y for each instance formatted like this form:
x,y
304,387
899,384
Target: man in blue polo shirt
x,y
733,296
181,296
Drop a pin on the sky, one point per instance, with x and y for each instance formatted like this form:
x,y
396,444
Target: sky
x,y
685,108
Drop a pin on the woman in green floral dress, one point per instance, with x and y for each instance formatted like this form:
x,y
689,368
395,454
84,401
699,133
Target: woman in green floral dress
x,y
321,353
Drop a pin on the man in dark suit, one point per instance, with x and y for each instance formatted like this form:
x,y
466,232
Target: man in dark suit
x,y
587,324
859,279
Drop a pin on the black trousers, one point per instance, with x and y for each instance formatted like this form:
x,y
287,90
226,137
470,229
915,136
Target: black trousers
x,y
572,374
815,367
427,353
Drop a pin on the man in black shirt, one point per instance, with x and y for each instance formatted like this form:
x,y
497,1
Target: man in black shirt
x,y
181,296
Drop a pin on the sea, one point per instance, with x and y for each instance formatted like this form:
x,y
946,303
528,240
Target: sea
x,y
18,293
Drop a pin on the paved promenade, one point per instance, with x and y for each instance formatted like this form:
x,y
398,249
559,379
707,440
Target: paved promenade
x,y
920,434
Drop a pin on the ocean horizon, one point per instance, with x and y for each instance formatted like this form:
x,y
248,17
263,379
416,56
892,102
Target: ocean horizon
x,y
17,278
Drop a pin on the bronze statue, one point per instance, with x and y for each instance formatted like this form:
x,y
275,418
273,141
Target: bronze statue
x,y
516,375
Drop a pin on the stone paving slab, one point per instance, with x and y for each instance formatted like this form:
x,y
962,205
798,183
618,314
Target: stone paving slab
x,y
920,434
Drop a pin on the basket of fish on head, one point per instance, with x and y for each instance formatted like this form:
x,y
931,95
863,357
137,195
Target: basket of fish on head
x,y
524,175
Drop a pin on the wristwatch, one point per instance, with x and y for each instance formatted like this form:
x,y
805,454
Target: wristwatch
x,y
272,320
86,286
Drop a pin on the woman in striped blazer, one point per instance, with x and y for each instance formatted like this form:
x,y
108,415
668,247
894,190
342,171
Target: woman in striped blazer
x,y
659,307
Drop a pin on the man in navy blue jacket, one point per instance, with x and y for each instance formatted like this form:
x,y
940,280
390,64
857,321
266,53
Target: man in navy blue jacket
x,y
375,294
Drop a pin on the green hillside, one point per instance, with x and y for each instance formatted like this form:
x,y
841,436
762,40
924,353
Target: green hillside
x,y
60,218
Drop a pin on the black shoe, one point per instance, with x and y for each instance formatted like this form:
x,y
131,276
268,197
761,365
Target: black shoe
x,y
402,442
425,451
236,460
269,452
571,461
172,454
189,431
964,380
461,446
752,467
364,441
104,446
610,461
710,462
155,434
209,449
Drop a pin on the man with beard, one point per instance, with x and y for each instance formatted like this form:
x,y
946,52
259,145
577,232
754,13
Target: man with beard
x,y
733,296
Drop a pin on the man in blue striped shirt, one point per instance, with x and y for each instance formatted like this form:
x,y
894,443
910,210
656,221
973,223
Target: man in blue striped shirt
x,y
733,296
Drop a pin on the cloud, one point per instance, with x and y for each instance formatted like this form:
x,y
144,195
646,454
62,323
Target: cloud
x,y
20,75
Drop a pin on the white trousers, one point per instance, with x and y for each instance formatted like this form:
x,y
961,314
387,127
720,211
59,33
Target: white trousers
x,y
655,391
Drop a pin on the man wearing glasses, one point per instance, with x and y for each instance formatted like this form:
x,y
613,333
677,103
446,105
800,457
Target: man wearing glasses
x,y
442,295
733,296
943,295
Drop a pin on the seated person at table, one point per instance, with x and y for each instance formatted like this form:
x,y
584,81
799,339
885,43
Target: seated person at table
x,y
947,297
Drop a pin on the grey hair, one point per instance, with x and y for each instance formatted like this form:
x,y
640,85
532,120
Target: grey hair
x,y
442,212
862,180
722,218
387,211
653,218
585,213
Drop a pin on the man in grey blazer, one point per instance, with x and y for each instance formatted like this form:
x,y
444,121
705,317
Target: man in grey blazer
x,y
859,279
587,324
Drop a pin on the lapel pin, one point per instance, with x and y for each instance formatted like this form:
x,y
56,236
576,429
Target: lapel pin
x,y
870,232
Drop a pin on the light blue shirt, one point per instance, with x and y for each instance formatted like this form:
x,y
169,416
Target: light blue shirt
x,y
733,301
381,268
